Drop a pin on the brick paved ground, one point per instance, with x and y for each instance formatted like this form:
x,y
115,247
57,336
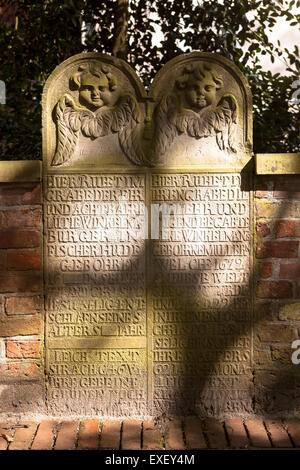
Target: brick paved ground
x,y
189,433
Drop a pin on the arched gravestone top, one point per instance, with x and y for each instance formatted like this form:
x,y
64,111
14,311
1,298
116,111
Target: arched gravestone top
x,y
70,108
198,113
211,132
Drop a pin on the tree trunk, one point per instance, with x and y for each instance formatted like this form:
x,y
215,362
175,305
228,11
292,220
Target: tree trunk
x,y
121,25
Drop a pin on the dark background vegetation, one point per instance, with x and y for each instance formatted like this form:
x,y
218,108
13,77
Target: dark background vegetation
x,y
35,36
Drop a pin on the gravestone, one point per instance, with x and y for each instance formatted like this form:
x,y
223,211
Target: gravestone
x,y
148,238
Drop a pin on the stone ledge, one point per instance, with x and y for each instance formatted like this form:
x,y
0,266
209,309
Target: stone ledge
x,y
20,171
277,163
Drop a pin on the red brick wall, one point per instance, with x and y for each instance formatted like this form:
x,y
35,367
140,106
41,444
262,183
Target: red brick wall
x,y
21,324
277,320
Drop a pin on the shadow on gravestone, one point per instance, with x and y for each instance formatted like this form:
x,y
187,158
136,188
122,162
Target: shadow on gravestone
x,y
140,327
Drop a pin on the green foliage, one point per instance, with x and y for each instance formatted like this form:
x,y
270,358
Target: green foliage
x,y
49,31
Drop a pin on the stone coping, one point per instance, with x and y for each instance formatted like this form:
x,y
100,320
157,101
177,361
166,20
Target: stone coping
x,y
19,171
277,163
265,164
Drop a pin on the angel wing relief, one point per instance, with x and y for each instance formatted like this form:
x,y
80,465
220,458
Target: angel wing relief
x,y
94,116
193,109
197,112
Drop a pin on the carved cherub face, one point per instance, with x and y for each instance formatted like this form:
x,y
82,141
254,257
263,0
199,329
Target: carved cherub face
x,y
198,85
200,93
94,91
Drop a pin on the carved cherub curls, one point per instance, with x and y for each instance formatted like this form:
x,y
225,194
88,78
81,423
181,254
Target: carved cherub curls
x,y
98,113
95,84
199,84
192,109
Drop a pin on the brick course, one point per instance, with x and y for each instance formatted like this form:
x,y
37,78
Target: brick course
x,y
22,349
23,305
277,249
24,261
20,218
274,290
14,194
